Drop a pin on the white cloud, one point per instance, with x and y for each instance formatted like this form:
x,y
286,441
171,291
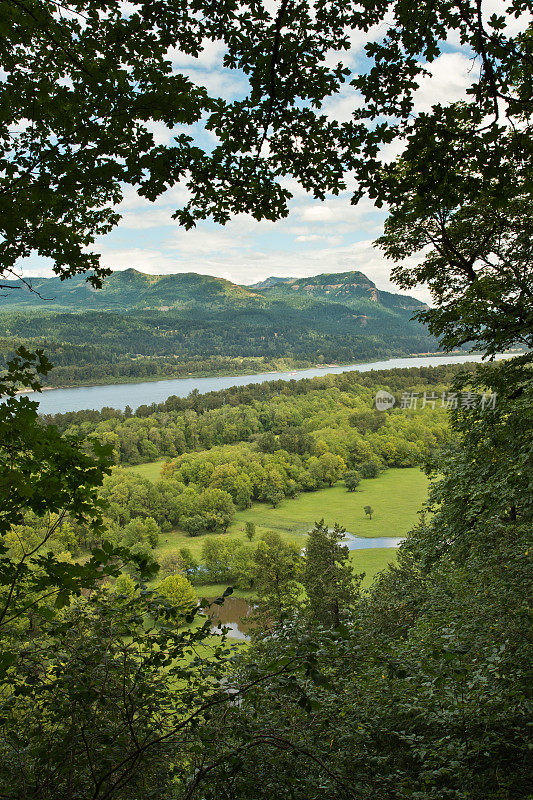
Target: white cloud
x,y
147,218
128,8
309,237
295,188
151,261
340,106
205,242
514,24
450,76
316,213
162,133
222,253
357,39
210,56
138,213
339,210
317,237
220,83
271,6
20,126
390,152
207,70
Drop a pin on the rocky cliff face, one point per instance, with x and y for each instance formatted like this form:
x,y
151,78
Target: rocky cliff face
x,y
341,287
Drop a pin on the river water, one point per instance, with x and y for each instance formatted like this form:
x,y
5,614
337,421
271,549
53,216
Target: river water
x,y
365,543
58,401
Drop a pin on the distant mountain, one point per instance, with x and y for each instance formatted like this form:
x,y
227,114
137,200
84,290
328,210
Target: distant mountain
x,y
123,291
167,325
338,287
130,289
269,282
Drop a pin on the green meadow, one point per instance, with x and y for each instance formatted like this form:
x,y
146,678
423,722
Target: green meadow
x,y
152,470
372,561
396,496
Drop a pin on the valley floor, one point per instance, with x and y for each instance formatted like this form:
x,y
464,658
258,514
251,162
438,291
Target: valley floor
x,y
396,496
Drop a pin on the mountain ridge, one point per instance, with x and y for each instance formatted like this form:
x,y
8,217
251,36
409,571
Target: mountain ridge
x,y
131,289
123,290
142,325
339,286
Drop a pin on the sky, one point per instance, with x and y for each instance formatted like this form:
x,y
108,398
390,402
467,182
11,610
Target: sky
x,y
317,236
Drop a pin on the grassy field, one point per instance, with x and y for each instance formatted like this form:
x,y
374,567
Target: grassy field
x,y
396,496
372,561
152,471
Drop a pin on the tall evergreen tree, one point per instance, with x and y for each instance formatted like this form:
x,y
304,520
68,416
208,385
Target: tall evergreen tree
x,y
328,577
277,569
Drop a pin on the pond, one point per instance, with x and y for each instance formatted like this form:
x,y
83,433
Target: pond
x,y
233,615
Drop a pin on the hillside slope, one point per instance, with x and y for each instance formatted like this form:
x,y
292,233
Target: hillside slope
x,y
130,289
125,290
344,287
147,326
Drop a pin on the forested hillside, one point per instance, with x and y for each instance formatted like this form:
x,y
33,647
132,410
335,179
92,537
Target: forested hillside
x,y
143,326
130,289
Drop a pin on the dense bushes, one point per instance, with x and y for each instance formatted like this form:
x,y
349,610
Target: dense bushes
x,y
194,508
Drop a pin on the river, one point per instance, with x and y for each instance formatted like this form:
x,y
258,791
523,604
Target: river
x,y
367,542
58,401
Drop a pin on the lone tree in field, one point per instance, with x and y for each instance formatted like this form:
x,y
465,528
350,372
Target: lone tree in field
x,y
249,530
369,511
351,480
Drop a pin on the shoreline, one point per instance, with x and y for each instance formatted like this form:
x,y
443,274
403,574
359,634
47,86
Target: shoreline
x,y
236,374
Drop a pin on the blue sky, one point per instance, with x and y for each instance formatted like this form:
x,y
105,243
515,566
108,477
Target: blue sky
x,y
328,236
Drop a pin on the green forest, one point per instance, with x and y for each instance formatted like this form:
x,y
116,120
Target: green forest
x,y
303,417
222,452
148,327
128,538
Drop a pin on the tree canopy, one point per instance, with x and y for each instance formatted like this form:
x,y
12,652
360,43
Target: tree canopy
x,y
84,82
